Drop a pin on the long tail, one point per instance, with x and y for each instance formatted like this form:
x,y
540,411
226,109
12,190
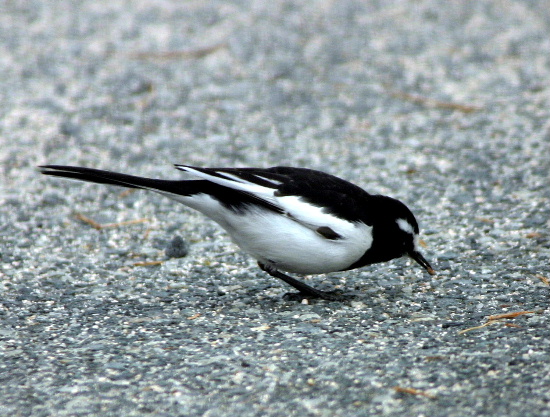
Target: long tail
x,y
177,190
114,178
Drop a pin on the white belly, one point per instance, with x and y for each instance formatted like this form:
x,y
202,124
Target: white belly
x,y
273,238
293,247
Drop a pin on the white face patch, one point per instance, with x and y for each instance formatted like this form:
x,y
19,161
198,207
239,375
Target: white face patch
x,y
405,226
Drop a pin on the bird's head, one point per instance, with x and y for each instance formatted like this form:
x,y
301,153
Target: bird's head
x,y
395,233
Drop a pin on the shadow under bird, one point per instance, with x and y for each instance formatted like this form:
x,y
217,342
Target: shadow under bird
x,y
289,219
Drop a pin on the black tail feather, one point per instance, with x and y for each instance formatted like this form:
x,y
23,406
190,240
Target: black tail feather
x,y
233,199
114,178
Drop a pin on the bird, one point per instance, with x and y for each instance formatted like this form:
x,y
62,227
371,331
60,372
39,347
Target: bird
x,y
290,219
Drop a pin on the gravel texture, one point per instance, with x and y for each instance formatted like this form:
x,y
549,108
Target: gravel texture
x,y
442,104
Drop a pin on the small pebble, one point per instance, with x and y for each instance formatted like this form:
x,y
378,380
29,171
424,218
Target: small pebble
x,y
177,248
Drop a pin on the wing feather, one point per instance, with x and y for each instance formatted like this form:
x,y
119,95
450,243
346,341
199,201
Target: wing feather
x,y
266,185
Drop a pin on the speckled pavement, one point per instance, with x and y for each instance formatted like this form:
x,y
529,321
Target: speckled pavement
x,y
444,105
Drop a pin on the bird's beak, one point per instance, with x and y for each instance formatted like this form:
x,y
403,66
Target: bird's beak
x,y
417,256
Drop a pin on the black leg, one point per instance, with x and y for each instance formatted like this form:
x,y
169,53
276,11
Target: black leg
x,y
305,290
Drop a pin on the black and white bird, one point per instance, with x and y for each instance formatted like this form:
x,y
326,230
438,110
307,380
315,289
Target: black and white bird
x,y
289,219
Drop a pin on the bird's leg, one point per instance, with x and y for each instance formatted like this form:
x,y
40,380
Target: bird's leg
x,y
305,290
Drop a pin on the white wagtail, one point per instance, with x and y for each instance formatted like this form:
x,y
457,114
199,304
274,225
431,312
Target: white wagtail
x,y
289,219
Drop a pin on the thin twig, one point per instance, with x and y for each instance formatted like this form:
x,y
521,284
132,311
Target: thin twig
x,y
496,318
99,226
87,220
433,103
509,315
188,54
477,327
147,263
544,280
414,391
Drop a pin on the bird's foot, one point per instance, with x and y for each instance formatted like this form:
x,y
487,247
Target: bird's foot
x,y
306,292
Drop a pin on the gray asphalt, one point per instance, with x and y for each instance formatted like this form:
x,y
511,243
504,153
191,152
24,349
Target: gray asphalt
x,y
444,105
